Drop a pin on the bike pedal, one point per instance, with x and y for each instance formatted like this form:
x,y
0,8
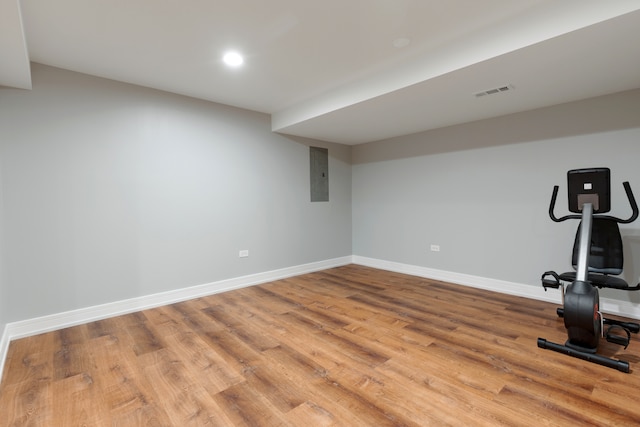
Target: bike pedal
x,y
618,339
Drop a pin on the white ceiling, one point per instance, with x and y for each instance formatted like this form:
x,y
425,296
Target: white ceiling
x,y
329,69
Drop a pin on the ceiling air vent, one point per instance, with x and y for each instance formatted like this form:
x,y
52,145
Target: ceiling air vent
x,y
493,91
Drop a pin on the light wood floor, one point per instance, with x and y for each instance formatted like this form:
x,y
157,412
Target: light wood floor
x,y
350,346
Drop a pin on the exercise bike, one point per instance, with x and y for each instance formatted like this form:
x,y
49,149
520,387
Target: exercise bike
x,y
597,260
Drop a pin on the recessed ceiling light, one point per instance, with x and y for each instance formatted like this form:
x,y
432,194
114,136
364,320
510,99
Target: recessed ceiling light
x,y
233,59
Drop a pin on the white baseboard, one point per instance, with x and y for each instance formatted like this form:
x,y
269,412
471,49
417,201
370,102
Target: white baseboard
x,y
57,321
53,322
29,327
607,305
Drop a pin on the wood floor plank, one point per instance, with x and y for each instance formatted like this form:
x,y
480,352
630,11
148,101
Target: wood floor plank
x,y
349,346
27,380
29,404
311,414
85,407
185,400
129,396
202,362
29,358
70,358
441,398
142,337
245,406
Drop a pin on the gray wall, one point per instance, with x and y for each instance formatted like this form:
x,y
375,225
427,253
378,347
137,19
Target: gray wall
x,y
4,305
113,191
481,190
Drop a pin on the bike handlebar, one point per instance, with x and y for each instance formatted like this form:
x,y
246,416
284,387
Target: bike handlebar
x,y
630,198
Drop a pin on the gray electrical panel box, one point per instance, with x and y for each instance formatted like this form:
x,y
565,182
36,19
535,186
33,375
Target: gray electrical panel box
x,y
319,158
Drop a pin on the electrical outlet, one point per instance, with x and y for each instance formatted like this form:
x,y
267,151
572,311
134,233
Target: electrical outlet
x,y
243,253
435,248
